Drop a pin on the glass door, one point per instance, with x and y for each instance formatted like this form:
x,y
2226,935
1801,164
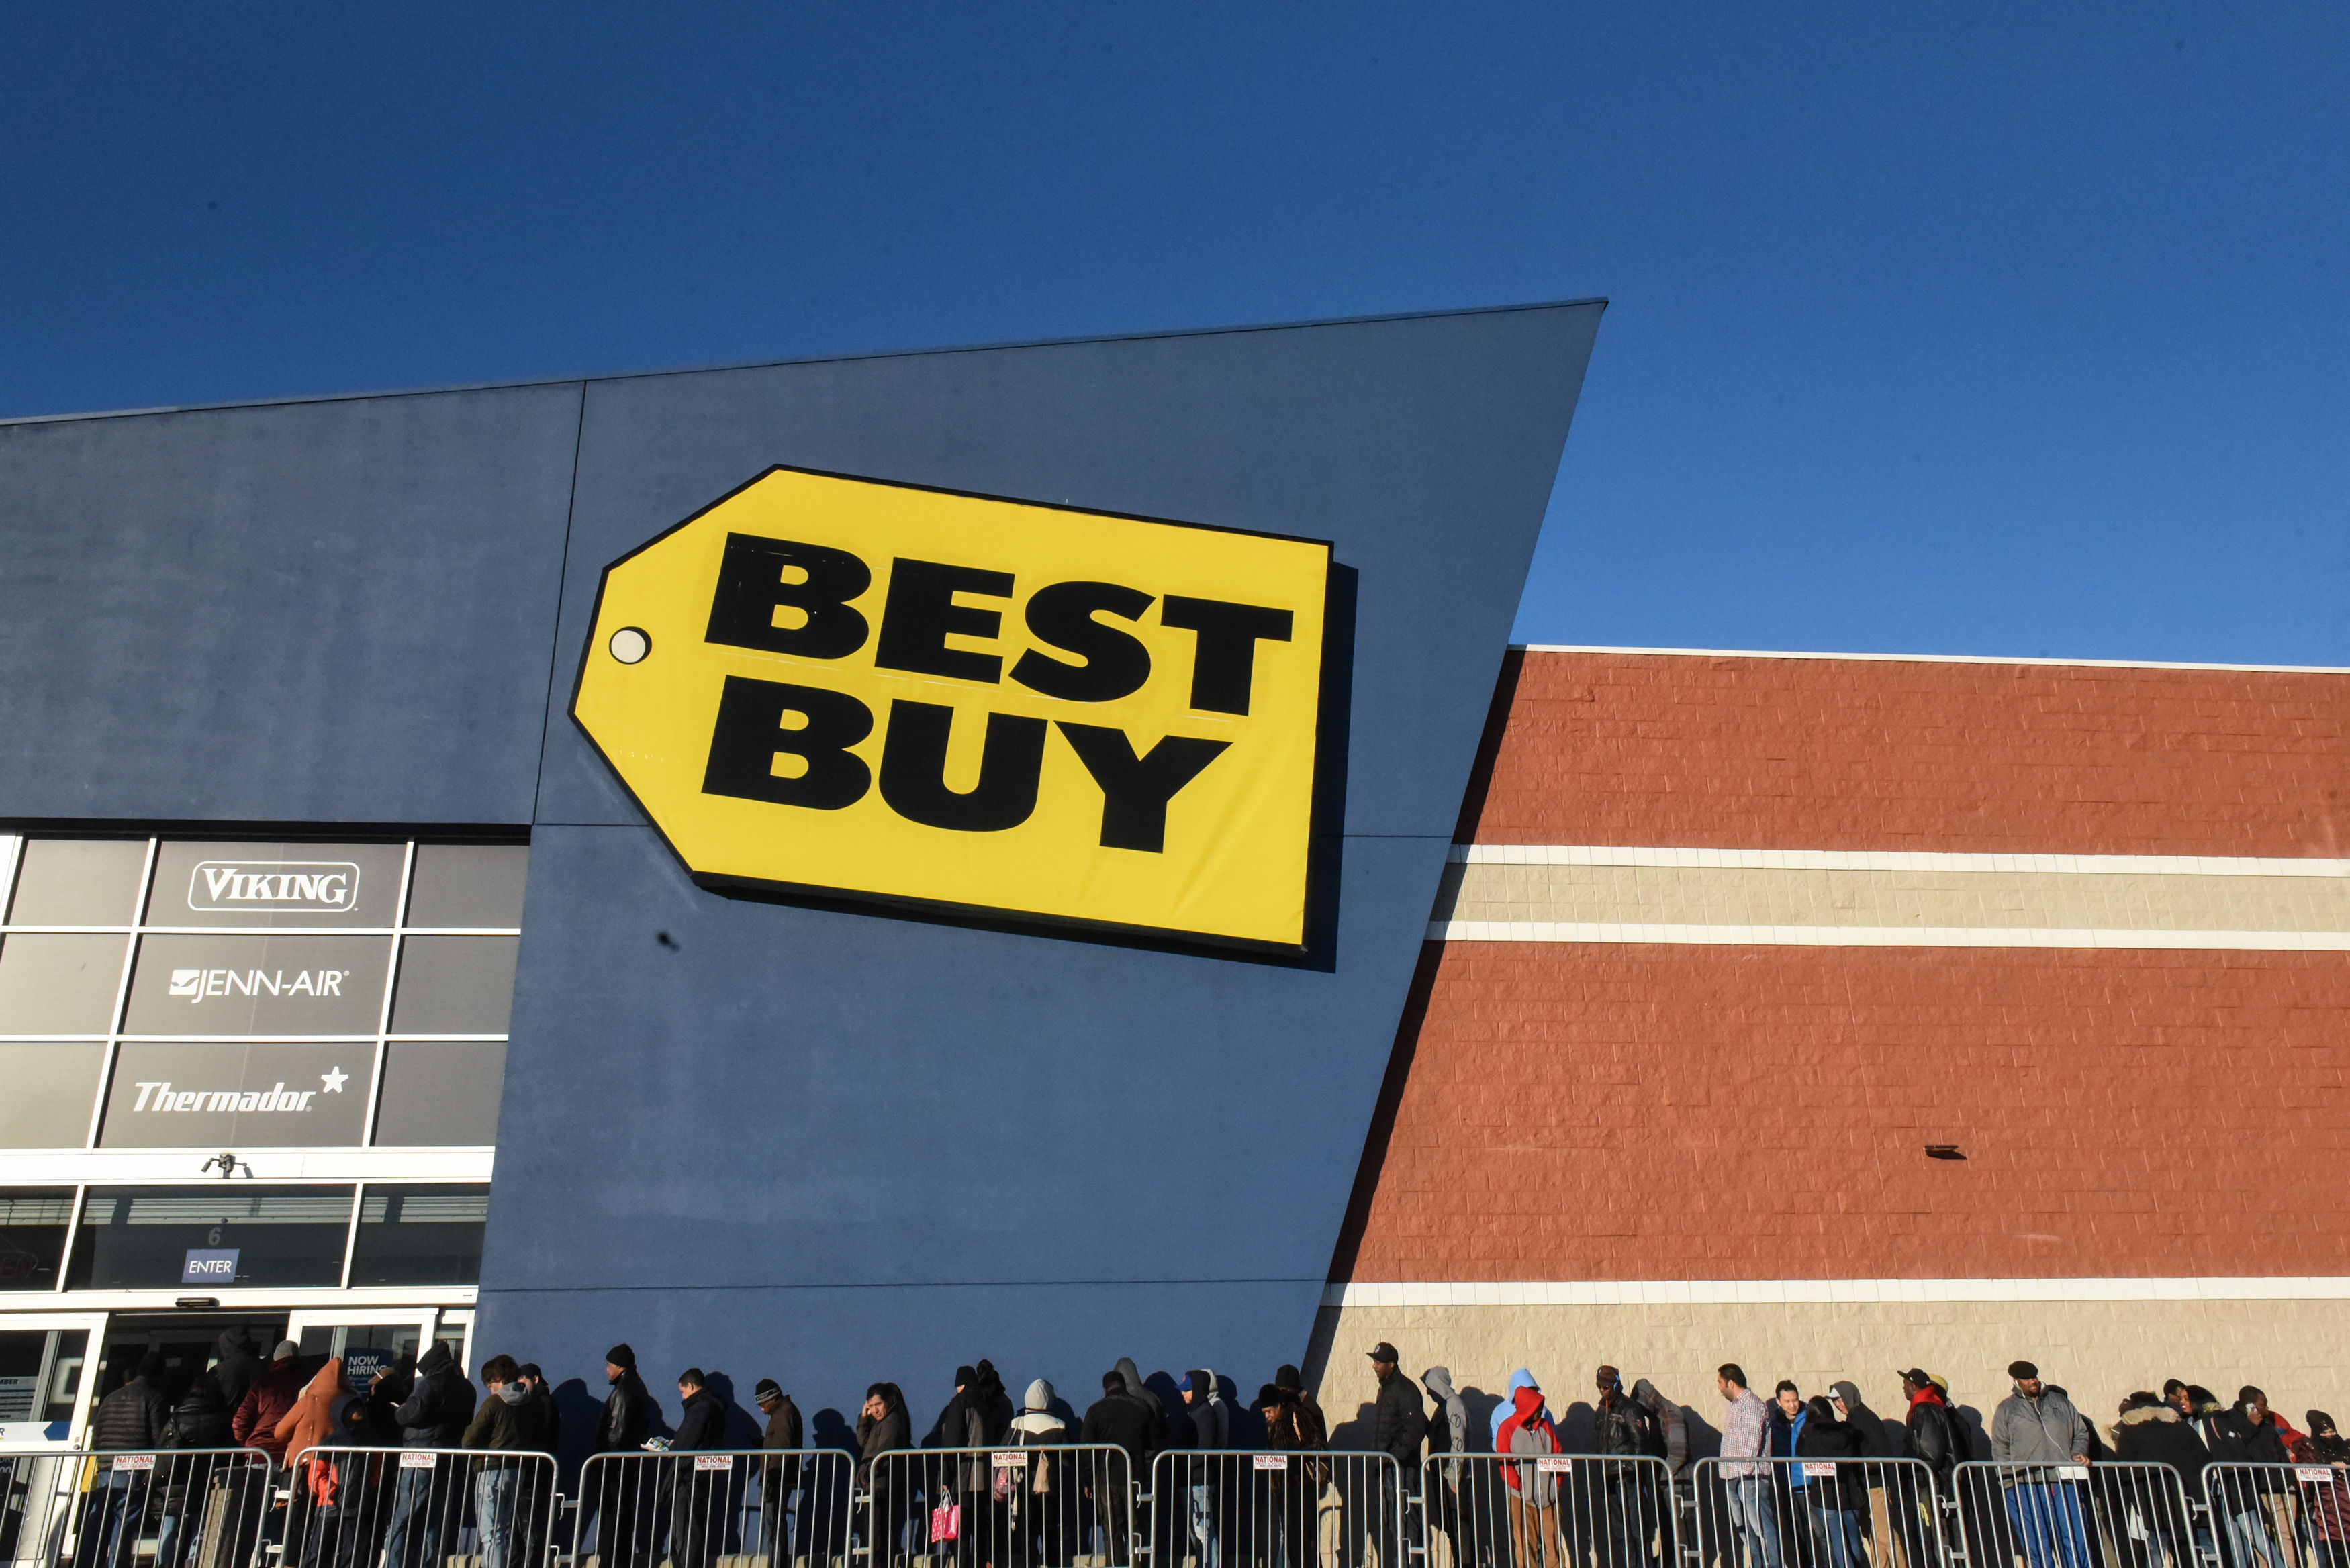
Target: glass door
x,y
45,1399
370,1340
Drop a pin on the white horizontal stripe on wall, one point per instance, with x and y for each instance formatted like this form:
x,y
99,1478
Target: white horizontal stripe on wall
x,y
1881,936
1930,658
1767,1292
1890,860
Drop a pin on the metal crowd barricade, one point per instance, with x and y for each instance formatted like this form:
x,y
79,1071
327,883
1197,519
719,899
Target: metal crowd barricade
x,y
348,1507
2278,1516
1873,1512
2106,1515
175,1508
1280,1509
1549,1510
725,1507
1037,1506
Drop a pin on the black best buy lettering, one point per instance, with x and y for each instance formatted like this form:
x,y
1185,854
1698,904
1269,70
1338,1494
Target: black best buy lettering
x,y
788,743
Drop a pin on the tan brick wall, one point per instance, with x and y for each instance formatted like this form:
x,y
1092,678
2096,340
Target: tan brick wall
x,y
2017,901
2097,1351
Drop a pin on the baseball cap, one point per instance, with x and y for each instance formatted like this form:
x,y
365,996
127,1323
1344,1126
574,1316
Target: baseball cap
x,y
1382,1351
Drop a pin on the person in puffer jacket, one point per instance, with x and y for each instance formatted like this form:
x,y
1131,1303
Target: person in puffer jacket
x,y
1521,1426
132,1418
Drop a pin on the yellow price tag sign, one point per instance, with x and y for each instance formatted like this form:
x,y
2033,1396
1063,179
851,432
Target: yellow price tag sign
x,y
846,687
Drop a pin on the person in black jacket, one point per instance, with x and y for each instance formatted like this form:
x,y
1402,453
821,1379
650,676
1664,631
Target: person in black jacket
x,y
621,1496
884,1428
1624,1429
428,1505
1928,1436
2151,1432
697,1520
130,1420
1122,1419
1399,1427
236,1367
1836,1502
200,1420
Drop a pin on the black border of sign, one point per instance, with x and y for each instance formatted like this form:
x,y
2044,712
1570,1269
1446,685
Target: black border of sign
x,y
1334,706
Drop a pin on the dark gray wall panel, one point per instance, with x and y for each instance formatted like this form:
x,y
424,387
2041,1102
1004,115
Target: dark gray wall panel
x,y
877,1148
334,611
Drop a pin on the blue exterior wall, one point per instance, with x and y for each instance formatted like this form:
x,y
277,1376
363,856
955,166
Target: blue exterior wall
x,y
824,1147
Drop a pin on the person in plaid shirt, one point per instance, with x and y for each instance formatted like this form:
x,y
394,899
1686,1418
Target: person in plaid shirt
x,y
1746,1435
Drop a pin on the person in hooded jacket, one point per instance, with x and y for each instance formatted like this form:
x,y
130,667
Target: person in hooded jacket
x,y
1039,1497
883,1426
986,1417
1310,1423
1523,1426
1207,1430
2151,1432
1448,1440
2326,1503
1124,1415
1877,1512
428,1502
1836,1502
234,1366
312,1423
2236,1497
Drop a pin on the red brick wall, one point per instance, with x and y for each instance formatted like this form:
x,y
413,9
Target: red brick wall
x,y
1634,1112
1811,754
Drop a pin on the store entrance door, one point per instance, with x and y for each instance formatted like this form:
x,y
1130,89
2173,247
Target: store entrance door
x,y
44,1397
188,1342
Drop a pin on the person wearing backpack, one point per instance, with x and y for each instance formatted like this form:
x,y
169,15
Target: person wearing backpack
x,y
1627,1432
1523,1426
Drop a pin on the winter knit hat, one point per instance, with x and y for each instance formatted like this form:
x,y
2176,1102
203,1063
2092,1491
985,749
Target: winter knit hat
x,y
622,1356
768,1388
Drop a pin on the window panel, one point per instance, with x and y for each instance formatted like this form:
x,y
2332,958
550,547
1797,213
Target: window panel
x,y
54,984
33,1238
50,1089
421,1235
470,885
78,882
454,985
440,1092
195,1095
257,985
138,1238
294,885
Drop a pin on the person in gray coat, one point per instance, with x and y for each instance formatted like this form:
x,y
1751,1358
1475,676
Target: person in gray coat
x,y
2037,1425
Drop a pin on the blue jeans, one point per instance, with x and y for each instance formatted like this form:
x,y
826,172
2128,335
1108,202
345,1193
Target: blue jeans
x,y
1752,1519
493,1507
2048,1528
1834,1526
1203,1525
414,1539
2247,1533
111,1495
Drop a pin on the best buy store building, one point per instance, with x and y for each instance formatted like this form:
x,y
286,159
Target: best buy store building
x,y
823,870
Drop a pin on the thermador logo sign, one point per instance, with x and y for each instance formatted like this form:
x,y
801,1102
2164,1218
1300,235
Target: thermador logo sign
x,y
843,686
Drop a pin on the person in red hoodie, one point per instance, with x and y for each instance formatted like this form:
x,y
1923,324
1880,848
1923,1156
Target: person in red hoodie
x,y
269,1401
1523,1426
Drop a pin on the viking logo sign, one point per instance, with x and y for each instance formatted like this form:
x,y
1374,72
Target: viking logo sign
x,y
842,686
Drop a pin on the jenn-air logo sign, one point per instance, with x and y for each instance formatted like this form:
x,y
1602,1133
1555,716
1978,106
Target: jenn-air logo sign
x,y
843,686
268,885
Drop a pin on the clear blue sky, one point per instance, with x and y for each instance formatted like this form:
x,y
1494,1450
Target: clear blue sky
x,y
2019,329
